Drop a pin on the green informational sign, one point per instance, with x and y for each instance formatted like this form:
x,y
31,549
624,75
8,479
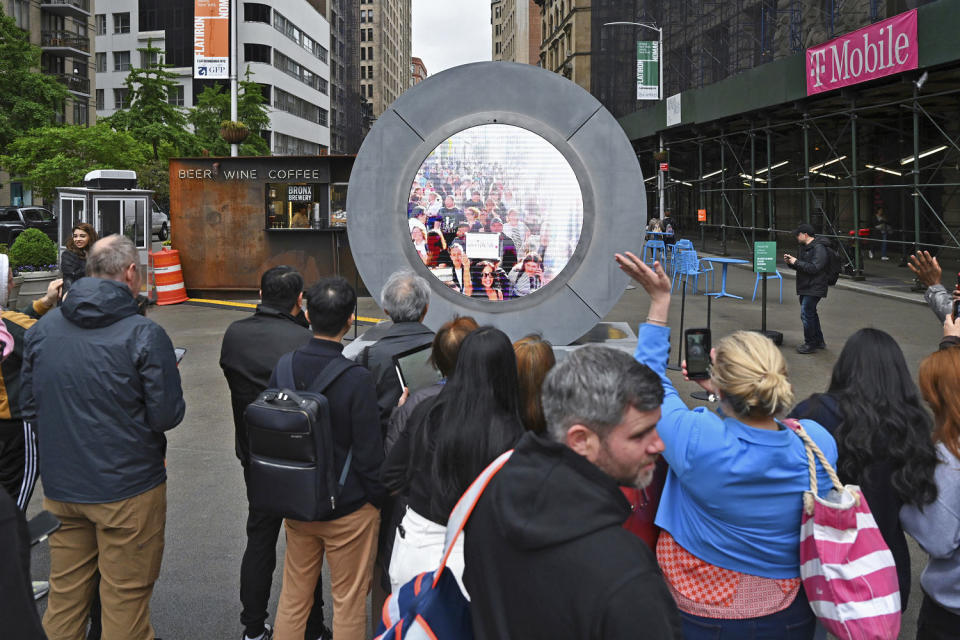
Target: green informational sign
x,y
648,70
765,257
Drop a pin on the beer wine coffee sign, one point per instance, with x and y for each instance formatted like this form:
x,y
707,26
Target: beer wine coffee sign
x,y
882,49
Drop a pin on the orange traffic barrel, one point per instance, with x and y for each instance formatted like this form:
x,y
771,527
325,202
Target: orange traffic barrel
x,y
168,277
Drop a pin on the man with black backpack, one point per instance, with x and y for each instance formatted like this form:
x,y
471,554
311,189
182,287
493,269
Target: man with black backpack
x,y
816,269
347,532
251,348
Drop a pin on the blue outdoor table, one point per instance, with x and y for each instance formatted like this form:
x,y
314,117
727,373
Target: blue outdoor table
x,y
726,262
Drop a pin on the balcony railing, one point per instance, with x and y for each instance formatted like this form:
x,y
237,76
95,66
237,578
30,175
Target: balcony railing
x,y
74,82
64,40
77,8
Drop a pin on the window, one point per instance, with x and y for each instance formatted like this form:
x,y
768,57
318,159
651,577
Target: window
x,y
256,52
150,60
369,53
370,35
101,20
321,52
81,113
121,23
324,86
363,53
176,95
363,72
121,99
101,62
100,106
297,106
253,12
295,205
323,117
363,35
121,61
21,13
370,72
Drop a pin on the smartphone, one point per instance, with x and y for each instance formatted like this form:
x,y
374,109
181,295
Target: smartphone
x,y
956,303
41,526
697,351
179,351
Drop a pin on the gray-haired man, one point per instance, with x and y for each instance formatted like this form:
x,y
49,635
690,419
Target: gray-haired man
x,y
550,522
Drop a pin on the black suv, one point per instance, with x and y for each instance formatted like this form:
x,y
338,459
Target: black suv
x,y
15,220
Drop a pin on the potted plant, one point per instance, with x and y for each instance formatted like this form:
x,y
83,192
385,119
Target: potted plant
x,y
233,132
33,258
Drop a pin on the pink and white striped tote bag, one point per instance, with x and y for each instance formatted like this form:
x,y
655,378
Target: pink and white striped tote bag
x,y
848,571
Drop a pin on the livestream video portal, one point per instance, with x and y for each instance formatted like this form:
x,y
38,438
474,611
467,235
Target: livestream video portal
x,y
495,212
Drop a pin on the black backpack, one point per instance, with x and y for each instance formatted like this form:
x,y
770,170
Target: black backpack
x,y
834,263
291,468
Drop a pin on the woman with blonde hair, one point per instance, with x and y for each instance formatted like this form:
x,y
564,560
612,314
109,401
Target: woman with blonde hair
x,y
534,360
731,507
936,526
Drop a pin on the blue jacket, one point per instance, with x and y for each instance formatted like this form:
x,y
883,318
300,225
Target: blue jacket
x,y
734,493
102,386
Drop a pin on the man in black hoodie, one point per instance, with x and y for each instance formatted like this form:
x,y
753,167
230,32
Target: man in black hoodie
x,y
545,550
812,282
101,384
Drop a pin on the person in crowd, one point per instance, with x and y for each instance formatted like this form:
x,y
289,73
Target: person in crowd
x,y
508,250
488,212
516,229
475,200
348,536
18,439
461,269
17,608
73,261
731,507
882,229
669,227
251,349
811,267
418,233
472,218
436,249
461,235
527,276
534,360
550,521
102,462
654,225
449,209
433,204
485,284
928,272
405,300
450,440
872,409
936,526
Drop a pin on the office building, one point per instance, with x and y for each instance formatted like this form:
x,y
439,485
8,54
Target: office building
x,y
349,111
285,47
418,71
496,29
517,34
385,51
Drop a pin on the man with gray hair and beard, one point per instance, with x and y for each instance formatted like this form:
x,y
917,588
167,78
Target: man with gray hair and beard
x,y
545,549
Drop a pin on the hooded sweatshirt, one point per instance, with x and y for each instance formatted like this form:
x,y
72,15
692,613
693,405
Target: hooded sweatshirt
x,y
103,385
547,557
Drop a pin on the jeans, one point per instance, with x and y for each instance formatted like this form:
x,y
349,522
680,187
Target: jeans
x,y
256,577
796,622
936,623
812,334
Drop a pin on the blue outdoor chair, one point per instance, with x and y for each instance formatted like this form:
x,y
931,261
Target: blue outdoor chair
x,y
690,265
675,249
756,283
653,247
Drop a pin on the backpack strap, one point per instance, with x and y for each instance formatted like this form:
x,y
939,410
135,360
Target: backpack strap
x,y
324,379
284,369
464,507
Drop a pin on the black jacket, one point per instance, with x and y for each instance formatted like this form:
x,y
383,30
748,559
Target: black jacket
x,y
250,350
73,267
811,267
17,608
378,358
103,386
884,501
547,557
353,415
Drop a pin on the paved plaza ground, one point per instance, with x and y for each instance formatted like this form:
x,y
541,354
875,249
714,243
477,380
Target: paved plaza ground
x,y
197,598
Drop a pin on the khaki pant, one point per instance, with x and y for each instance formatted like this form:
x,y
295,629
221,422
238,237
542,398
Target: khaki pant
x,y
350,543
124,540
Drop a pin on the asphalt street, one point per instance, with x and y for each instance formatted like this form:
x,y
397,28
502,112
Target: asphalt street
x,y
196,597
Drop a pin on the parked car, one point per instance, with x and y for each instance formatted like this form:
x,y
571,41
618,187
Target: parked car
x,y
14,220
159,222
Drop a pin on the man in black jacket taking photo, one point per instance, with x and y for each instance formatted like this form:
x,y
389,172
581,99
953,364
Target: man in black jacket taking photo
x,y
812,282
250,351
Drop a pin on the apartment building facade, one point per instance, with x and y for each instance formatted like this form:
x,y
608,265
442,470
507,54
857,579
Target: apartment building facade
x,y
520,31
385,51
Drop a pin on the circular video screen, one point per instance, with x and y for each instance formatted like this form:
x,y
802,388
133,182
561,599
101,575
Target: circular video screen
x,y
495,212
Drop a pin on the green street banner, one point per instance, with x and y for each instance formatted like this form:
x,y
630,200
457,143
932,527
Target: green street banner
x,y
648,70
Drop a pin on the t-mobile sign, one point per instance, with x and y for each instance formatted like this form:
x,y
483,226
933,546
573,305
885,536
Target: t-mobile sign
x,y
882,49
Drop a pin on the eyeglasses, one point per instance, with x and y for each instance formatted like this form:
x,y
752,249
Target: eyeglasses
x,y
487,273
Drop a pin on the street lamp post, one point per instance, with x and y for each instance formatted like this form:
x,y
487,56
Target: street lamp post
x,y
661,180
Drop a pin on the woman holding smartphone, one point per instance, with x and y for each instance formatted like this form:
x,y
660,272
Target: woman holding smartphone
x,y
73,262
731,507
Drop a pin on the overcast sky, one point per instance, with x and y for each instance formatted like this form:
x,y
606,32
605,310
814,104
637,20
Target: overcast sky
x,y
448,33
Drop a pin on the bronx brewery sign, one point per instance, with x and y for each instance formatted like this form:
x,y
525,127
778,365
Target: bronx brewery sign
x,y
882,49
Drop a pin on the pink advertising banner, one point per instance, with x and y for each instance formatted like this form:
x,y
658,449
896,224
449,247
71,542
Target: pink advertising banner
x,y
882,49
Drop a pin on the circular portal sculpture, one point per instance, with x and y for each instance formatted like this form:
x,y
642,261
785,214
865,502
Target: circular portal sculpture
x,y
509,188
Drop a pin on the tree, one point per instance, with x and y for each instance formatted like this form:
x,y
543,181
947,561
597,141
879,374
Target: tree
x,y
213,107
151,117
51,157
28,99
